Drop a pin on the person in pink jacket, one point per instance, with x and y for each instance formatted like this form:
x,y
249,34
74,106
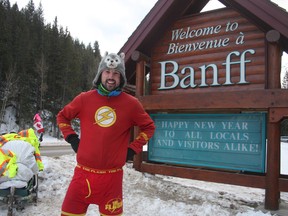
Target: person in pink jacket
x,y
38,125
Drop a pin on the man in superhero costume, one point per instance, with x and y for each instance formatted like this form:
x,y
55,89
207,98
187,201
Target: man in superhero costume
x,y
106,115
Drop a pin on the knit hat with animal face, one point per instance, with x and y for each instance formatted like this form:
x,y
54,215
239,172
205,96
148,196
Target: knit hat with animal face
x,y
111,61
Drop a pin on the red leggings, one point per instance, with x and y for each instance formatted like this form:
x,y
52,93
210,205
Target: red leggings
x,y
103,188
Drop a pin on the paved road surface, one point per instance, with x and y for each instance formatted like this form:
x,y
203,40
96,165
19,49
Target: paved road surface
x,y
56,150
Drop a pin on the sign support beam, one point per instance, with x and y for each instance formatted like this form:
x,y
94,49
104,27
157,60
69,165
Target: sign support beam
x,y
141,60
272,192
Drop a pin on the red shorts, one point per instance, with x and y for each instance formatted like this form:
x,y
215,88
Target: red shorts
x,y
90,186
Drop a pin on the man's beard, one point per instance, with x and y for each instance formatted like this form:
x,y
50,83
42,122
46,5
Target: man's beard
x,y
110,85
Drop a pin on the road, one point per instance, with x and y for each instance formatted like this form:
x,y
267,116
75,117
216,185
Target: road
x,y
56,150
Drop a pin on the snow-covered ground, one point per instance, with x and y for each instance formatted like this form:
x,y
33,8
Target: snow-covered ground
x,y
149,195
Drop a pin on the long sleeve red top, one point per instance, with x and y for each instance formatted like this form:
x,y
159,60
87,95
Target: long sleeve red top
x,y
105,124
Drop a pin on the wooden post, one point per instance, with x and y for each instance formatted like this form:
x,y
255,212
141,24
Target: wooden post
x,y
272,192
141,60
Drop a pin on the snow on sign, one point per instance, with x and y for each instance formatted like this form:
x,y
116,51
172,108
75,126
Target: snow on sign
x,y
226,141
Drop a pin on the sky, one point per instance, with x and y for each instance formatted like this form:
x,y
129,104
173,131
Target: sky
x,y
146,195
110,22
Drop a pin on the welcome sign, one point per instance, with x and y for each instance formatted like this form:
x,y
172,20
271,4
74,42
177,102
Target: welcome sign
x,y
207,52
230,141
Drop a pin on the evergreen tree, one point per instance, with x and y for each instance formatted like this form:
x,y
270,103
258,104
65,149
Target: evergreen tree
x,y
49,66
285,79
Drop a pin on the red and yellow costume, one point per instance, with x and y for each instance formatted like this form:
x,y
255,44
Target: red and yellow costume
x,y
106,124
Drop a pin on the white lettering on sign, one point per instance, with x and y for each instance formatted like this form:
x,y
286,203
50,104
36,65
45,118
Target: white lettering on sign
x,y
229,136
191,33
204,125
163,143
173,125
189,72
219,135
235,125
181,48
193,135
241,147
190,144
188,33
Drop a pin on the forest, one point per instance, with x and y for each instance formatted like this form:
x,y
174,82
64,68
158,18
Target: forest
x,y
41,66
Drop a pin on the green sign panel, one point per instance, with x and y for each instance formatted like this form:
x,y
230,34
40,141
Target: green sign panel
x,y
228,141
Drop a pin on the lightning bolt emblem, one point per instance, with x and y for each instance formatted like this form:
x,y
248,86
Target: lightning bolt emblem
x,y
105,116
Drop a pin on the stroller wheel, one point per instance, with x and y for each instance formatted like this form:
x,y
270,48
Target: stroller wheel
x,y
11,201
20,207
35,197
10,212
35,189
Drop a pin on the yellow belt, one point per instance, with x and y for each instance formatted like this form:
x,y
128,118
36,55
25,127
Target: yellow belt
x,y
88,169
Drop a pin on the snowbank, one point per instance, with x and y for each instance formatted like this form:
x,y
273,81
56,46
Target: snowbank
x,y
148,195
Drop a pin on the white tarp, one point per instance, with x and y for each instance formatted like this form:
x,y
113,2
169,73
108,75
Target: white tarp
x,y
26,163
